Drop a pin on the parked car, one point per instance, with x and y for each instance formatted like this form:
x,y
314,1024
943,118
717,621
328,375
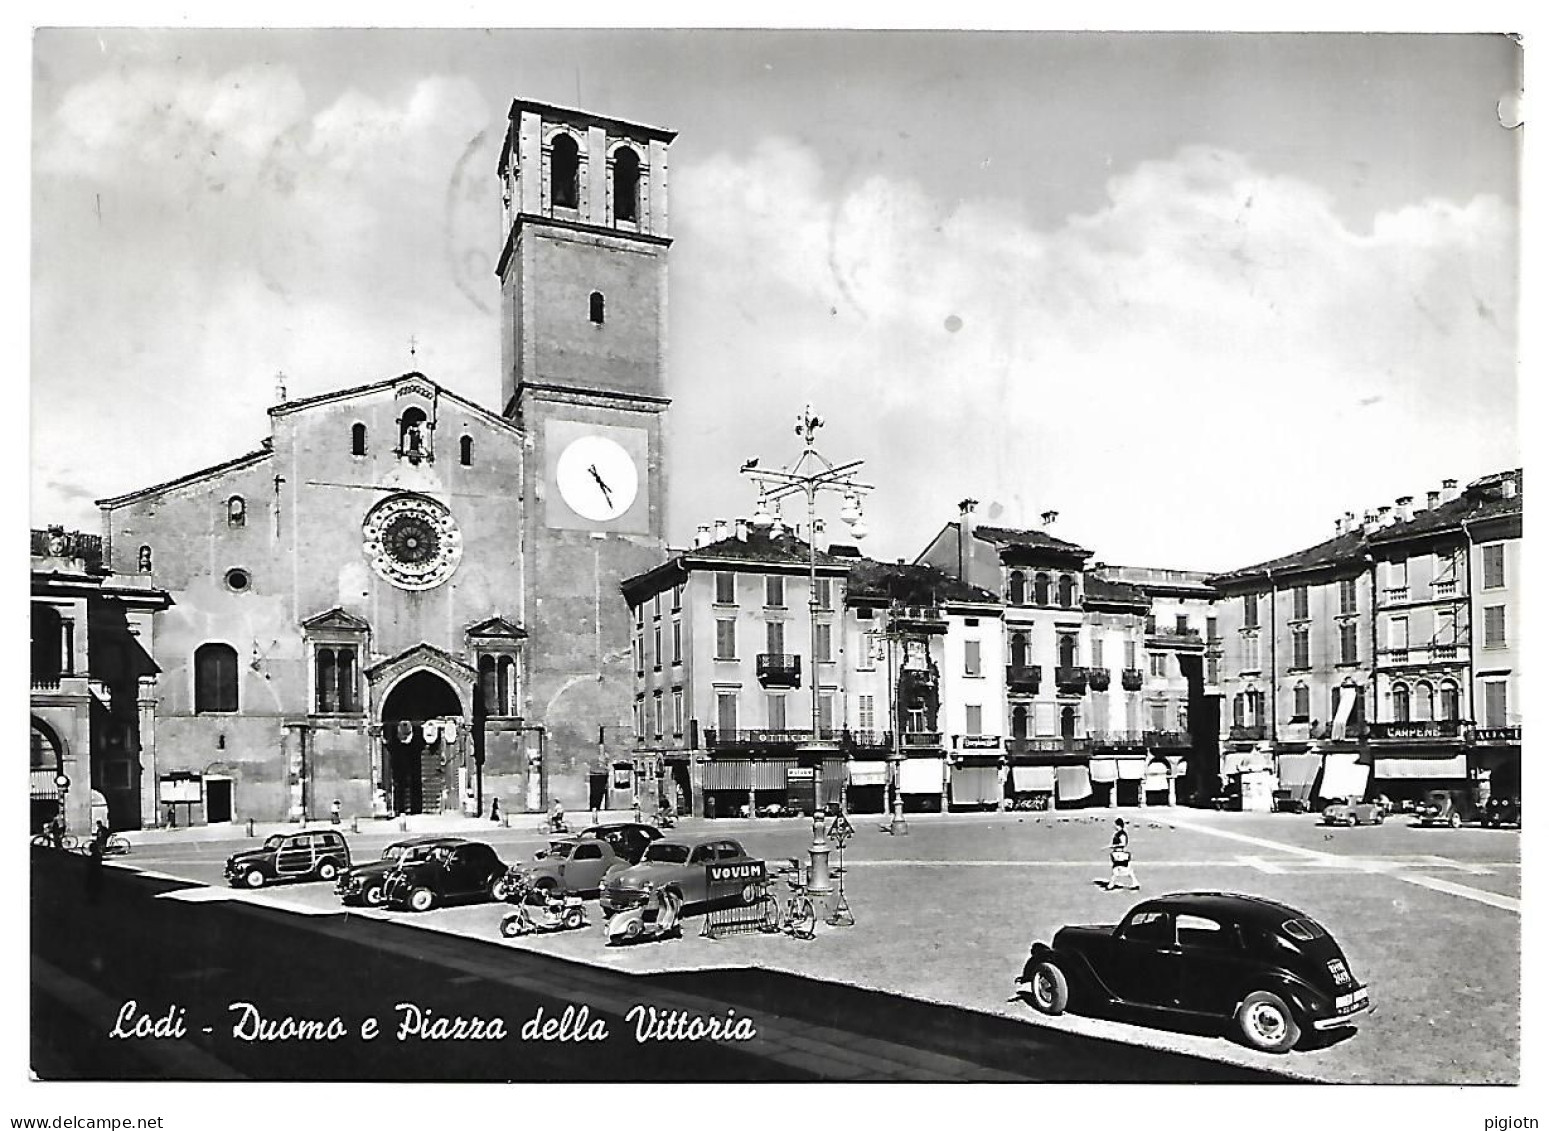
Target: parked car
x,y
363,884
1502,811
629,839
1450,807
319,854
678,864
1352,813
1268,968
576,864
465,872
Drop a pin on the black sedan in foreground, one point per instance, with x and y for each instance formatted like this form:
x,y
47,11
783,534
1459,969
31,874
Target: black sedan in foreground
x,y
1267,967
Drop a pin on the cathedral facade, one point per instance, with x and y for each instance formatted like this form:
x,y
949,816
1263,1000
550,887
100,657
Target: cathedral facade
x,y
407,602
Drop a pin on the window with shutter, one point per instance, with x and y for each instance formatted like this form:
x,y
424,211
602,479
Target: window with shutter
x,y
1494,566
1495,626
725,639
971,657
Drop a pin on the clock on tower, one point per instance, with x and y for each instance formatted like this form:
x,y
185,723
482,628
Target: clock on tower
x,y
583,284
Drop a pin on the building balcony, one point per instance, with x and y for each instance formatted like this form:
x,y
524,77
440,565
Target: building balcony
x,y
1252,733
1164,635
1117,739
919,619
1132,679
1070,681
1023,678
868,739
1444,588
1098,678
724,739
1169,739
1432,730
1074,744
775,669
917,738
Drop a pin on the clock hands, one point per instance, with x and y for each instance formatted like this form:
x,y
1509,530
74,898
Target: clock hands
x,y
607,493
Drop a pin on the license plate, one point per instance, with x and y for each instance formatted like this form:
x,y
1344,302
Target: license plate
x,y
1348,1003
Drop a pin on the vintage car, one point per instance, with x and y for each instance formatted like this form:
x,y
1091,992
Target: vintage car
x,y
362,884
314,854
575,864
678,864
1502,811
462,872
628,839
1352,813
1450,807
1267,967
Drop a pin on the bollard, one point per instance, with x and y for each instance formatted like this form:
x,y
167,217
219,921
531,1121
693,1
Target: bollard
x,y
250,826
505,820
354,824
403,824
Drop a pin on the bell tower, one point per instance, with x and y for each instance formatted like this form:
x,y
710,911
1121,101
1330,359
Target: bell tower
x,y
583,278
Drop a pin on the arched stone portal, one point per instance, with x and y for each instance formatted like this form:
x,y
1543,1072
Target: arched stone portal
x,y
416,774
48,764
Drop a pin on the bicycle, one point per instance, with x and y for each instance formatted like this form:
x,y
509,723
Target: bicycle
x,y
796,917
65,841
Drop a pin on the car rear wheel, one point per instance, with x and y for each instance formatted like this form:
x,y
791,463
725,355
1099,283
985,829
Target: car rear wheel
x,y
327,870
1266,1022
1049,990
422,899
253,878
1351,821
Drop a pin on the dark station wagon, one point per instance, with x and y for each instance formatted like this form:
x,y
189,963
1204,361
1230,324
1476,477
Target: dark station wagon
x,y
319,854
1267,967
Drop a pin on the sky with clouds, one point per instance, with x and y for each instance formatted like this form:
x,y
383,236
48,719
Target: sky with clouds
x,y
1198,293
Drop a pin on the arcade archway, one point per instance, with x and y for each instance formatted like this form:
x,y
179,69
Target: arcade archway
x,y
417,763
48,764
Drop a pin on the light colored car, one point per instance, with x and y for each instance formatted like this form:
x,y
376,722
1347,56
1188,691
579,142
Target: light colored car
x,y
680,864
1352,813
574,864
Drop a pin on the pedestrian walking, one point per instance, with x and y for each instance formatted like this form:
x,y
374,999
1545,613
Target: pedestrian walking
x,y
1119,859
494,809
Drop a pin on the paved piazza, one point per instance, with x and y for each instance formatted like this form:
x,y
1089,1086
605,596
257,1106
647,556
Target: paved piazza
x,y
1429,917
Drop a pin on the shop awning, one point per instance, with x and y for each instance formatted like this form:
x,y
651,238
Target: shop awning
x,y
1387,769
1131,769
1246,762
1103,770
769,773
975,785
1298,772
920,775
1032,779
868,773
1157,773
735,774
1343,776
1074,782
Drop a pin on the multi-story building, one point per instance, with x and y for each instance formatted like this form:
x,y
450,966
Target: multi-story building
x,y
1494,529
1356,658
730,638
1445,623
927,675
94,686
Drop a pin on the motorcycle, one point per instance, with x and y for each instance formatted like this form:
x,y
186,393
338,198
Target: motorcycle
x,y
666,818
658,915
539,909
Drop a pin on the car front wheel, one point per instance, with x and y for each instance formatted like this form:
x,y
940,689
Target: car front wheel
x,y
1266,1022
373,895
1454,822
422,899
253,878
1050,992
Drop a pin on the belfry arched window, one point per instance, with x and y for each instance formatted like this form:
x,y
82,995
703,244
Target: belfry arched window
x,y
236,511
413,434
626,185
565,173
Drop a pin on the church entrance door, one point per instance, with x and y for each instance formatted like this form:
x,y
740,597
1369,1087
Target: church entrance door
x,y
418,765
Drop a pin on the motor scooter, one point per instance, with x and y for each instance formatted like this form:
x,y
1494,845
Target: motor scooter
x,y
539,909
665,818
658,915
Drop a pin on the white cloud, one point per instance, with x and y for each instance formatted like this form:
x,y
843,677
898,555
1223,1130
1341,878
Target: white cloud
x,y
1179,373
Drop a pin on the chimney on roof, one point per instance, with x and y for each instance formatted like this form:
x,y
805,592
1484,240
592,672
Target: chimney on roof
x,y
1405,504
279,388
1049,517
1339,525
1449,490
702,535
966,525
722,532
1369,522
742,530
1432,500
1509,487
1384,516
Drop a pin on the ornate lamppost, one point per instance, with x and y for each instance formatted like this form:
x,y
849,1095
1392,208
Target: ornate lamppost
x,y
810,474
